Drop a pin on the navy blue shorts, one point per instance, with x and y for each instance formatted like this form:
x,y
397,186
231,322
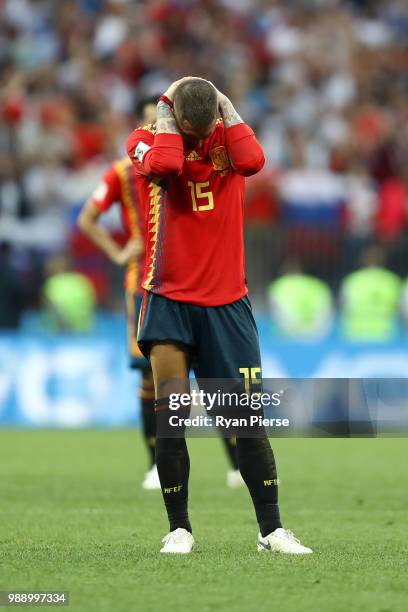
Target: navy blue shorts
x,y
222,340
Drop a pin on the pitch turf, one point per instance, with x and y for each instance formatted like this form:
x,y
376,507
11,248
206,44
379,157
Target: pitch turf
x,y
73,517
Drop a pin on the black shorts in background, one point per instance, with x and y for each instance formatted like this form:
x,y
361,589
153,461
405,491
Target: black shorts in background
x,y
133,305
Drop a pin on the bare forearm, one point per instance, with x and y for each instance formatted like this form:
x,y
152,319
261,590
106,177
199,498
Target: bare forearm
x,y
100,238
165,122
228,113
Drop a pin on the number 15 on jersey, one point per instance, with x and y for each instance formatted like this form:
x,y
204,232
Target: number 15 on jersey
x,y
198,195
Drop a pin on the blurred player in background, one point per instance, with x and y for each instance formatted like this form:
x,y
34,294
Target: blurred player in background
x,y
118,186
68,298
301,304
190,171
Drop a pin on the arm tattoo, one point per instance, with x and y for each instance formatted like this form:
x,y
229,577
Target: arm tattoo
x,y
229,114
165,122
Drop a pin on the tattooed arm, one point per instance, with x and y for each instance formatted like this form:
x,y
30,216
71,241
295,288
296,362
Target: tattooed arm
x,y
160,151
165,155
165,122
244,151
228,112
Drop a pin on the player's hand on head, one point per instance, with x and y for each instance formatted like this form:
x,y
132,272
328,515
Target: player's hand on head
x,y
222,98
133,248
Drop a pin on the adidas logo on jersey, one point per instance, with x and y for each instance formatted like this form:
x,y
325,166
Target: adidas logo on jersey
x,y
193,156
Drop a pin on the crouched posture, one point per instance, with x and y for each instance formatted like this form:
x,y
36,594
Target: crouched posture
x,y
190,171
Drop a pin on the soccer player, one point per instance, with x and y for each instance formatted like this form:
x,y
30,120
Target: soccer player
x,y
119,186
191,168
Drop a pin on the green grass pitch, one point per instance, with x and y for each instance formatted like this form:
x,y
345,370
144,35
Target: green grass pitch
x,y
73,517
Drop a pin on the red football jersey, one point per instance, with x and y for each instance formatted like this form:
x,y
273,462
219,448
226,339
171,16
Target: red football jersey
x,y
193,200
118,186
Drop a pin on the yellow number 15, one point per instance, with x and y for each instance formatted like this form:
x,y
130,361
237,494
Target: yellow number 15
x,y
197,193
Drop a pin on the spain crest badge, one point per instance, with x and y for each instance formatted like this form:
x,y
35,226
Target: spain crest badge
x,y
219,158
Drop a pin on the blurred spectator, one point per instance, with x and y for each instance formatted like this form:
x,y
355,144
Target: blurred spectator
x,y
301,305
312,201
261,198
370,299
311,196
11,291
362,204
68,298
323,83
392,212
361,201
263,240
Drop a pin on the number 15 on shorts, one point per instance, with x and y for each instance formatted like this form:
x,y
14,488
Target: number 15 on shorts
x,y
252,377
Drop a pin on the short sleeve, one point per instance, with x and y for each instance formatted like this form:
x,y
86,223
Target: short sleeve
x,y
107,192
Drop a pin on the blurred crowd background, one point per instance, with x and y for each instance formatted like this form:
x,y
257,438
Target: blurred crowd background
x,y
324,84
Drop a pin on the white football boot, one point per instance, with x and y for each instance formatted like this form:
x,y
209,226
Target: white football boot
x,y
180,541
234,479
282,541
151,480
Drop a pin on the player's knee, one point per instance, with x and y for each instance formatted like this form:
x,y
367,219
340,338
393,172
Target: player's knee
x,y
170,368
172,387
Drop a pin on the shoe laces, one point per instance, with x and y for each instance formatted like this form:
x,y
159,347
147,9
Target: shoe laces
x,y
176,538
291,536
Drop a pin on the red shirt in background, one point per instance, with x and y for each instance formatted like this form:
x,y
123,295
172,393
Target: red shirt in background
x,y
119,186
393,208
262,198
194,207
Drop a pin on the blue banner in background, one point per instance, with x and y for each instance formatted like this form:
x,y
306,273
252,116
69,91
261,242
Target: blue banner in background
x,y
68,381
